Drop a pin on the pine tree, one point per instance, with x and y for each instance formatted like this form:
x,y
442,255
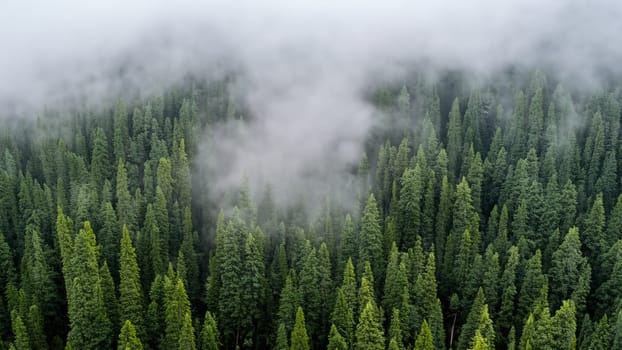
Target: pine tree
x,y
395,329
617,331
186,334
565,326
90,326
36,328
343,317
209,338
299,339
570,273
409,216
110,237
593,235
37,274
181,173
128,339
100,160
508,295
533,282
369,333
130,291
281,338
395,280
348,248
311,297
109,294
443,217
370,237
335,340
289,303
253,283
424,339
473,320
230,313
22,341
125,208
121,135
601,339
454,138
177,310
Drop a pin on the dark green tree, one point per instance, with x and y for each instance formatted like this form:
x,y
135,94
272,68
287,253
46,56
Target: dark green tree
x,y
130,290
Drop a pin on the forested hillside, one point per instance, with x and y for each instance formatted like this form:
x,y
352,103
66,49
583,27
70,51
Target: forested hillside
x,y
487,216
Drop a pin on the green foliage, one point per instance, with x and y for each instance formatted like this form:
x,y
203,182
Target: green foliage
x,y
370,237
518,203
128,339
299,339
369,333
130,290
424,339
90,325
335,340
209,338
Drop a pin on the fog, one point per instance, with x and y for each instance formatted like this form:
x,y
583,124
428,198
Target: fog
x,y
303,65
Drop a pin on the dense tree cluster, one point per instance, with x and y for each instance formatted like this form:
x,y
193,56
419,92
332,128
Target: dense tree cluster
x,y
488,222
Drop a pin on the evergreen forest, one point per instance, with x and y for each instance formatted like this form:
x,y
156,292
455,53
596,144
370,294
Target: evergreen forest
x,y
484,215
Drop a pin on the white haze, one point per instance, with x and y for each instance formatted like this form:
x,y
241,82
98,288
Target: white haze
x,y
304,64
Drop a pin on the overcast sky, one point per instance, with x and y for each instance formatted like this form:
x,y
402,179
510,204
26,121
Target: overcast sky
x,y
305,63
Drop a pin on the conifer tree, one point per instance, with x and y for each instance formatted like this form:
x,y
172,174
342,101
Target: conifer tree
x,y
343,317
395,280
395,329
370,237
128,339
36,328
335,340
253,283
508,295
290,301
121,134
593,235
130,290
617,331
409,216
601,339
454,138
281,338
22,341
472,321
369,333
299,339
209,338
186,334
230,313
533,282
90,326
125,208
424,340
570,273
178,329
109,294
100,160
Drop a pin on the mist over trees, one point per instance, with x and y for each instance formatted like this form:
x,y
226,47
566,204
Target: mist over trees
x,y
483,216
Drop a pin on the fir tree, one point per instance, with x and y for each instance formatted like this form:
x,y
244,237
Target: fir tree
x,y
209,338
299,339
424,339
335,340
130,291
128,339
369,333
